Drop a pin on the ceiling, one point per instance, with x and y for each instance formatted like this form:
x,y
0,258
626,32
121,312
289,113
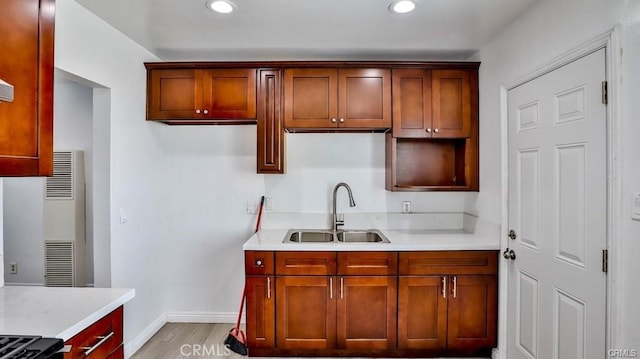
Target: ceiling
x,y
184,30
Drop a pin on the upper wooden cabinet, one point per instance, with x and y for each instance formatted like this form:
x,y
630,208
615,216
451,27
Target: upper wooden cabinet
x,y
201,96
271,137
432,103
329,98
26,124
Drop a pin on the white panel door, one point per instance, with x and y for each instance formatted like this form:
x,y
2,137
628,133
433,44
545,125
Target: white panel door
x,y
558,211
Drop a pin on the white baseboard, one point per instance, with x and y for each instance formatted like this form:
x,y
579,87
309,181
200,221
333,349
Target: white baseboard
x,y
16,284
202,317
135,345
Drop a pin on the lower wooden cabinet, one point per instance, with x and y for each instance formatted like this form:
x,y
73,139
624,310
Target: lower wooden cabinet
x,y
261,312
367,312
422,313
305,312
390,304
472,319
102,339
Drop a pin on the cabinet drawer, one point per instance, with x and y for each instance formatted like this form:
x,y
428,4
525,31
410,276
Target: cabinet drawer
x,y
367,263
101,339
258,262
305,263
448,262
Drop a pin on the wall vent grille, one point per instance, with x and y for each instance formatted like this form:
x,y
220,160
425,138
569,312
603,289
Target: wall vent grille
x,y
58,263
60,185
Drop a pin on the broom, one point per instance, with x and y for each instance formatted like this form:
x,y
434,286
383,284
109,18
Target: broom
x,y
236,340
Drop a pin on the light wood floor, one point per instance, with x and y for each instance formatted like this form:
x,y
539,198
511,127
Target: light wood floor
x,y
187,340
183,340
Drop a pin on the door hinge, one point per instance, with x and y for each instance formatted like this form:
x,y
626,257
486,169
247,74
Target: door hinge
x,y
605,260
605,93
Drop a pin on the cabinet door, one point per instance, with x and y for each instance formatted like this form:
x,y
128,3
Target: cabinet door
x,y
271,145
422,312
229,94
367,313
452,105
174,94
26,124
472,312
305,312
261,312
310,98
364,98
411,103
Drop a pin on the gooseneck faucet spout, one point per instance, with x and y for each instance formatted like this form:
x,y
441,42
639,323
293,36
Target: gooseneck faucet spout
x,y
352,203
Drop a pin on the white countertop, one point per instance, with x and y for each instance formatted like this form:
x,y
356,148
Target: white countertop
x,y
401,240
56,312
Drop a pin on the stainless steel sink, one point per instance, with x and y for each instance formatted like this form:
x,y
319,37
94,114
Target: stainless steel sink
x,y
367,236
342,236
309,236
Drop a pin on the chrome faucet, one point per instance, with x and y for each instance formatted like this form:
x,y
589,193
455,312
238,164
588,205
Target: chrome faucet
x,y
352,203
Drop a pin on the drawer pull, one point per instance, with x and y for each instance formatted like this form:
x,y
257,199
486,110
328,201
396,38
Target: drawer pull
x,y
455,287
444,287
268,287
330,287
341,287
103,339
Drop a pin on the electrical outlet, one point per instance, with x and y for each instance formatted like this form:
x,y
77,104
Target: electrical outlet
x,y
252,208
406,207
13,268
635,207
268,203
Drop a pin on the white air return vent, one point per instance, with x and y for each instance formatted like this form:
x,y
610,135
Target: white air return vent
x,y
64,221
58,271
60,185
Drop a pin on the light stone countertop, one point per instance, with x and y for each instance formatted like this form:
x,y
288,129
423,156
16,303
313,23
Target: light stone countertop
x,y
406,232
401,240
56,312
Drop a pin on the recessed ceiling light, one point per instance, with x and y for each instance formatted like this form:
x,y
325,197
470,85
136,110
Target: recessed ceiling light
x,y
221,6
402,6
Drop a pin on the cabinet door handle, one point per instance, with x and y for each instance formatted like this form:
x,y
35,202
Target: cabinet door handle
x,y
429,130
198,112
444,287
341,287
103,339
455,286
207,111
330,287
342,120
434,130
334,120
268,287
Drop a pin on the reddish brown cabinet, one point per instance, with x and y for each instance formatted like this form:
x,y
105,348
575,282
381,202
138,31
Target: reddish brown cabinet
x,y
201,95
428,303
260,291
26,124
271,136
434,142
432,103
102,339
330,98
448,300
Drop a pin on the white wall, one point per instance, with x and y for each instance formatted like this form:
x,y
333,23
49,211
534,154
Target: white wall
x,y
210,174
90,49
550,28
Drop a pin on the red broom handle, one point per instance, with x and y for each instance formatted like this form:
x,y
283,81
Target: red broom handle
x,y
244,294
260,213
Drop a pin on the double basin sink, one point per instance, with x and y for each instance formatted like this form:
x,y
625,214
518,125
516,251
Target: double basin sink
x,y
340,236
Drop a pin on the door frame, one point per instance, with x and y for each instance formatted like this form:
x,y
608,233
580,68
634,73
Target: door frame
x,y
610,41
